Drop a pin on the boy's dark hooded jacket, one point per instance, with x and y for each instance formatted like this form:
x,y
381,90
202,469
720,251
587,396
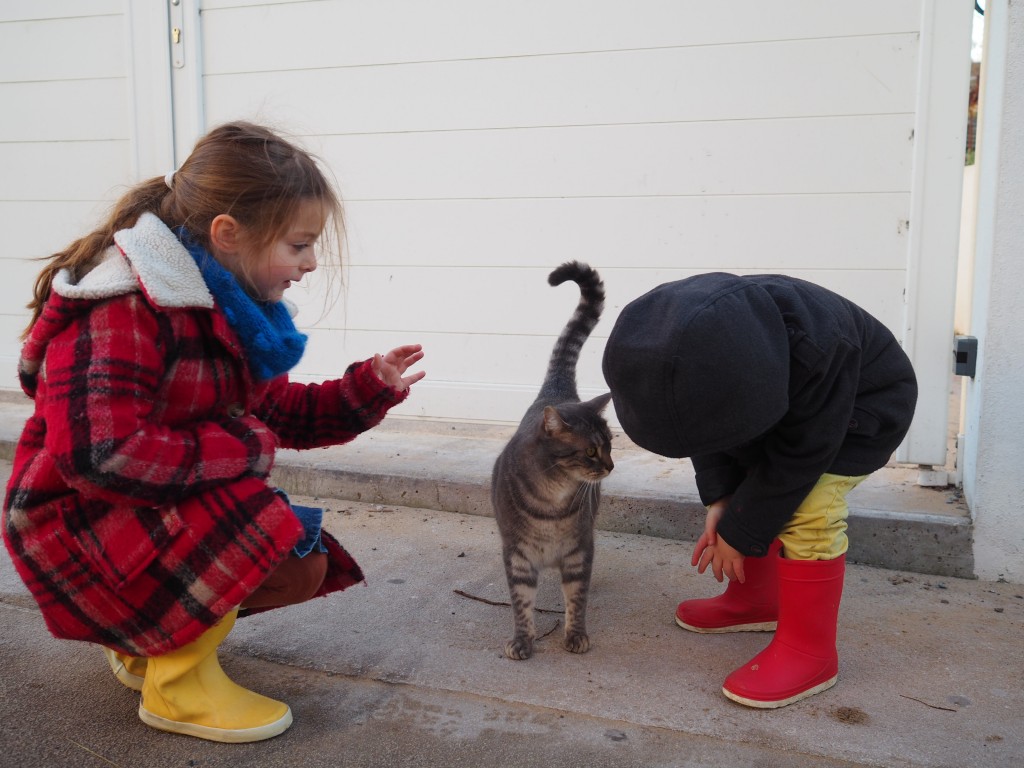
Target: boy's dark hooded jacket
x,y
767,382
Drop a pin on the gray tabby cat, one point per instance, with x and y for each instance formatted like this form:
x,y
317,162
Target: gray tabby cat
x,y
546,483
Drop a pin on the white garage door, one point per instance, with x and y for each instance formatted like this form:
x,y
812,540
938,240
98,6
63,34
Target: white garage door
x,y
478,144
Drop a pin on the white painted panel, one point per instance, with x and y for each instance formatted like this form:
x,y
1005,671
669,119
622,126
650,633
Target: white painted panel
x,y
762,232
823,155
458,367
71,171
511,301
34,10
779,79
247,37
478,375
941,130
88,47
500,303
151,122
64,110
19,276
10,350
35,229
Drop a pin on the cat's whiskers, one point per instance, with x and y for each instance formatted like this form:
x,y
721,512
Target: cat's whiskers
x,y
580,496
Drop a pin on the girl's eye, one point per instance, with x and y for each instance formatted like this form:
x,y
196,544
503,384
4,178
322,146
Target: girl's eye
x,y
300,246
591,451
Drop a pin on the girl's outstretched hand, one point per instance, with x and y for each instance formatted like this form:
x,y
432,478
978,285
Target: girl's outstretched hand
x,y
391,367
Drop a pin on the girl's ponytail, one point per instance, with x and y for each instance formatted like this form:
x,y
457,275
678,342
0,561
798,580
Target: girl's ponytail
x,y
146,196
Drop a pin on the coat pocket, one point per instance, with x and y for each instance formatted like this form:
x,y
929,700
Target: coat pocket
x,y
864,424
119,543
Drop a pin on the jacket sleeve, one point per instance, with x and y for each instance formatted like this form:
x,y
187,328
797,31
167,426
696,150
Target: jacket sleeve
x,y
717,475
102,378
329,413
798,451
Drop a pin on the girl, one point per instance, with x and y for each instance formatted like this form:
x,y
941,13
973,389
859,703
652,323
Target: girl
x,y
786,396
139,511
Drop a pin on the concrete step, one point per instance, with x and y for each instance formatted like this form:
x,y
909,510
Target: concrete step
x,y
445,466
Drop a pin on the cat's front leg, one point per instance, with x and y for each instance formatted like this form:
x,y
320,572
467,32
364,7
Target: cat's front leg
x,y
575,587
522,588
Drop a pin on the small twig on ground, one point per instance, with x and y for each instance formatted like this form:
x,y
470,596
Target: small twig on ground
x,y
460,593
933,706
95,754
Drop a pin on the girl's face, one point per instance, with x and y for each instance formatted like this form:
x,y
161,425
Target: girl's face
x,y
291,256
268,275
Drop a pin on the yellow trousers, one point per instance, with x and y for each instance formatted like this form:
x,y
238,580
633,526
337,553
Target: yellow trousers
x,y
817,530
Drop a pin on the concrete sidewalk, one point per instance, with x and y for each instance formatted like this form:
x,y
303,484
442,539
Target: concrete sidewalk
x,y
409,671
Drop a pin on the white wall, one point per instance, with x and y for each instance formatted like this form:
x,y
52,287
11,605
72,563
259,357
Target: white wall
x,y
479,144
65,148
994,451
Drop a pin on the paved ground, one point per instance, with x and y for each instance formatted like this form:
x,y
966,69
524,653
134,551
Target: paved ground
x,y
405,671
408,670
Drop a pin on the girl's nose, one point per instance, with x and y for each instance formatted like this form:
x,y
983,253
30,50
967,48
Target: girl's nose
x,y
308,263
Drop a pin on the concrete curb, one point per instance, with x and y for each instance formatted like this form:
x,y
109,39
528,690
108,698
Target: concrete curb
x,y
446,467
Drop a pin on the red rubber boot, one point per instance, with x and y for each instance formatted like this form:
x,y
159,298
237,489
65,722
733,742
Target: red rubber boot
x,y
801,659
752,606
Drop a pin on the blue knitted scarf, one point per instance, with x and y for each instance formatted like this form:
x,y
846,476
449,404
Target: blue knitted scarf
x,y
272,344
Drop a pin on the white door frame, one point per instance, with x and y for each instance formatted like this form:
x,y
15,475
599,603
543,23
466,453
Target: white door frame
x,y
165,72
940,135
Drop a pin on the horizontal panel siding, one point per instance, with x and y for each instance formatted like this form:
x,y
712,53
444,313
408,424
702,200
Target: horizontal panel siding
x,y
759,232
355,32
512,300
89,47
822,155
71,171
494,328
492,374
65,138
777,79
11,327
479,144
34,229
64,110
35,10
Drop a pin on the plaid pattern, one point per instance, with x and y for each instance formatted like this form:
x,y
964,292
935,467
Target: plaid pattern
x,y
138,511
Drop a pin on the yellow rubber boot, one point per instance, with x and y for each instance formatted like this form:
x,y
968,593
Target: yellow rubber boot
x,y
186,691
130,670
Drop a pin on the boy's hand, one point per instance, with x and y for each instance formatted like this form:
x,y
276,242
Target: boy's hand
x,y
715,551
390,367
724,561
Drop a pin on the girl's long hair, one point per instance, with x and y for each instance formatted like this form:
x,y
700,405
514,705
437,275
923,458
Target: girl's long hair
x,y
241,169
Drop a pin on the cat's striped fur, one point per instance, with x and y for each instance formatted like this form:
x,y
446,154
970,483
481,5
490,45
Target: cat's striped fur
x,y
545,487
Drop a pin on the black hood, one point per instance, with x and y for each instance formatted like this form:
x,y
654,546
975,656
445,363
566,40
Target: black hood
x,y
699,365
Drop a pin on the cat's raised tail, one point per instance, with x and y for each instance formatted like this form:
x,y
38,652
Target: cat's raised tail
x,y
560,379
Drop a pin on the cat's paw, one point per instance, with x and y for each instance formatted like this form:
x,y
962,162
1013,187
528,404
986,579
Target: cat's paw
x,y
576,642
519,648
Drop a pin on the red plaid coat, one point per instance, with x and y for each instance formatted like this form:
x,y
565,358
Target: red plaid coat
x,y
138,511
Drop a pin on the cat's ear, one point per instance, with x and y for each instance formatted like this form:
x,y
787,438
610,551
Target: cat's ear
x,y
551,422
600,402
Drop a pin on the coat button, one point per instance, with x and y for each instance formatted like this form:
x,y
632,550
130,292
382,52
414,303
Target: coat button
x,y
757,549
853,424
235,410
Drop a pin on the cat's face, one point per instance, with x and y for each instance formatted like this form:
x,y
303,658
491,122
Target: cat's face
x,y
578,442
